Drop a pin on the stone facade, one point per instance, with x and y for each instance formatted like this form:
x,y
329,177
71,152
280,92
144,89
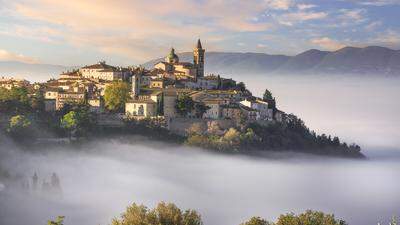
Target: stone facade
x,y
102,71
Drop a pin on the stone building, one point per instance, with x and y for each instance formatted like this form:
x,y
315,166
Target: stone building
x,y
184,70
9,83
102,71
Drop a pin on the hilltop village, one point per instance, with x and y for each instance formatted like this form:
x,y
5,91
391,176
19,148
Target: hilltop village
x,y
155,93
174,97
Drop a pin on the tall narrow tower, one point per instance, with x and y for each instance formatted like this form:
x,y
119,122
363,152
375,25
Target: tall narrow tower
x,y
198,59
136,84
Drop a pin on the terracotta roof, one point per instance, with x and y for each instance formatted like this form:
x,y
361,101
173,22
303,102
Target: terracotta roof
x,y
73,73
100,65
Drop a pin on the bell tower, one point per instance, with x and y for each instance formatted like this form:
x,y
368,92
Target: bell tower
x,y
198,59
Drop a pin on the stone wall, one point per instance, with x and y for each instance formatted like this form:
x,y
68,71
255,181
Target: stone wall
x,y
181,126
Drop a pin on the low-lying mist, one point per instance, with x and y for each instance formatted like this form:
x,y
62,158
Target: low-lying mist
x,y
100,180
361,109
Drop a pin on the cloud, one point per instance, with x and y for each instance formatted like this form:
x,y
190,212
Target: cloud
x,y
290,19
41,33
131,28
354,15
305,6
327,43
9,56
261,46
374,25
280,4
378,2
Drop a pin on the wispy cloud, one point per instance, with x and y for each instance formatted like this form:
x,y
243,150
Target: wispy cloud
x,y
10,56
290,19
378,2
306,6
353,15
373,25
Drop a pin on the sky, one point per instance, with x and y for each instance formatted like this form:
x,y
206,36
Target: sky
x,y
130,32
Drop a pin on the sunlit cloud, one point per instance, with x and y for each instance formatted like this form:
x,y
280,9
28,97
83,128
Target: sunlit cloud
x,y
327,43
128,28
280,4
10,56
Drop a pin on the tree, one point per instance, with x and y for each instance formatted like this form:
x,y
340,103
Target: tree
x,y
37,101
15,100
70,122
184,104
267,96
18,122
59,221
232,135
241,86
19,127
79,121
219,81
168,214
191,217
256,221
116,95
309,218
163,214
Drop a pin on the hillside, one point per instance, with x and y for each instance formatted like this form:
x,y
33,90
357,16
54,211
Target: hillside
x,y
372,60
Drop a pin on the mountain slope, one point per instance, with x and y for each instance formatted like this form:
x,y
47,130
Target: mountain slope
x,y
371,59
304,61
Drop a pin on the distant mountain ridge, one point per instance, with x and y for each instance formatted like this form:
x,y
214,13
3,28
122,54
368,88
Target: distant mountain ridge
x,y
32,72
372,60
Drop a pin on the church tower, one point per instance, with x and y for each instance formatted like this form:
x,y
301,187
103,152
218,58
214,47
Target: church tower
x,y
198,59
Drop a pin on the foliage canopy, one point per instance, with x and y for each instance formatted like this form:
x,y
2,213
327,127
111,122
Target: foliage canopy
x,y
116,95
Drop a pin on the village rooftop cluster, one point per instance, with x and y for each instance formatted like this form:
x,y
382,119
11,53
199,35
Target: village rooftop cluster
x,y
154,93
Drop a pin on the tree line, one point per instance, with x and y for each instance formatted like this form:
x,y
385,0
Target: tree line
x,y
170,214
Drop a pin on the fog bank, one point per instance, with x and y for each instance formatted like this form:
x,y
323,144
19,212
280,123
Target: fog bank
x,y
99,181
